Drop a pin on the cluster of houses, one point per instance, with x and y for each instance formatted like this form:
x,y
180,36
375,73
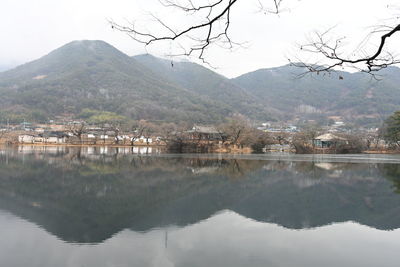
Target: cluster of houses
x,y
64,134
45,138
59,135
268,128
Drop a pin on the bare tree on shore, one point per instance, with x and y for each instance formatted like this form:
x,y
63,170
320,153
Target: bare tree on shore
x,y
3,133
235,129
77,130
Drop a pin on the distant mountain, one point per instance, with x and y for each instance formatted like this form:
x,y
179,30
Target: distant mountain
x,y
4,67
204,81
358,97
93,74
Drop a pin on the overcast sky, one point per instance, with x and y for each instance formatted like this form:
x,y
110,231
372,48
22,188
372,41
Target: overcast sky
x,y
32,28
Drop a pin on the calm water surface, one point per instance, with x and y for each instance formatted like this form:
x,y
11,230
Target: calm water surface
x,y
95,207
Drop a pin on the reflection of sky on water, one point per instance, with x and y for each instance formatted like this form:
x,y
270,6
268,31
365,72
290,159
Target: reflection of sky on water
x,y
226,239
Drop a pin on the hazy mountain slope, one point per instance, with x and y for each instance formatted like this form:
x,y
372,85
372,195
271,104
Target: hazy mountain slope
x,y
93,74
356,96
201,80
4,67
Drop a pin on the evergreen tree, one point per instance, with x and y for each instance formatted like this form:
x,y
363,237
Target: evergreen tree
x,y
392,129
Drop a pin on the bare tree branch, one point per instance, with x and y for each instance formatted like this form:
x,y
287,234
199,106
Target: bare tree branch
x,y
366,62
215,22
213,28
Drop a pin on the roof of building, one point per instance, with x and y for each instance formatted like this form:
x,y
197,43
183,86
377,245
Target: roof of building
x,y
58,134
329,137
204,129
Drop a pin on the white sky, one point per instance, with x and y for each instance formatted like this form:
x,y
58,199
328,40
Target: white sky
x,y
32,28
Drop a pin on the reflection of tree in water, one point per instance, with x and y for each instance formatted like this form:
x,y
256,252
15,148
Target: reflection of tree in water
x,y
232,168
319,170
392,173
79,201
112,162
91,200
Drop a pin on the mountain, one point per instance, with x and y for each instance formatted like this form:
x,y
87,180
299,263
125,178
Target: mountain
x,y
4,67
204,81
95,75
356,96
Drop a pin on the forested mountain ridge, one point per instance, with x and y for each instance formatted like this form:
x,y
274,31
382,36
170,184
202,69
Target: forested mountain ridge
x,y
204,81
282,91
356,96
94,75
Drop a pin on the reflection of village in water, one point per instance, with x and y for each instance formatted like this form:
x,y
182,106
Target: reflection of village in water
x,y
88,150
108,190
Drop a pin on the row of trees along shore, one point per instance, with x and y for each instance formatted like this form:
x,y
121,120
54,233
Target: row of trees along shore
x,y
238,135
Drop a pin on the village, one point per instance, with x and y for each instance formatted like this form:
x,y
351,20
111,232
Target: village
x,y
232,137
73,133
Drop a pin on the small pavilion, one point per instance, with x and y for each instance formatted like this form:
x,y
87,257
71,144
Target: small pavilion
x,y
329,141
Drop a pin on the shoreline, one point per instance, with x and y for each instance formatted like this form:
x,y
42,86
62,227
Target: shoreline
x,y
380,152
79,145
218,151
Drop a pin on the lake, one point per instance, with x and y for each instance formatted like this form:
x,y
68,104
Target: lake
x,y
92,207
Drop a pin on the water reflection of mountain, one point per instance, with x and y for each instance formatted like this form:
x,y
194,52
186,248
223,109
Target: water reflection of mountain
x,y
88,199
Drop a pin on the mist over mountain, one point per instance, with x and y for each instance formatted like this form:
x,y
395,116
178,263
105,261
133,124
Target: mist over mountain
x,y
95,75
5,67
